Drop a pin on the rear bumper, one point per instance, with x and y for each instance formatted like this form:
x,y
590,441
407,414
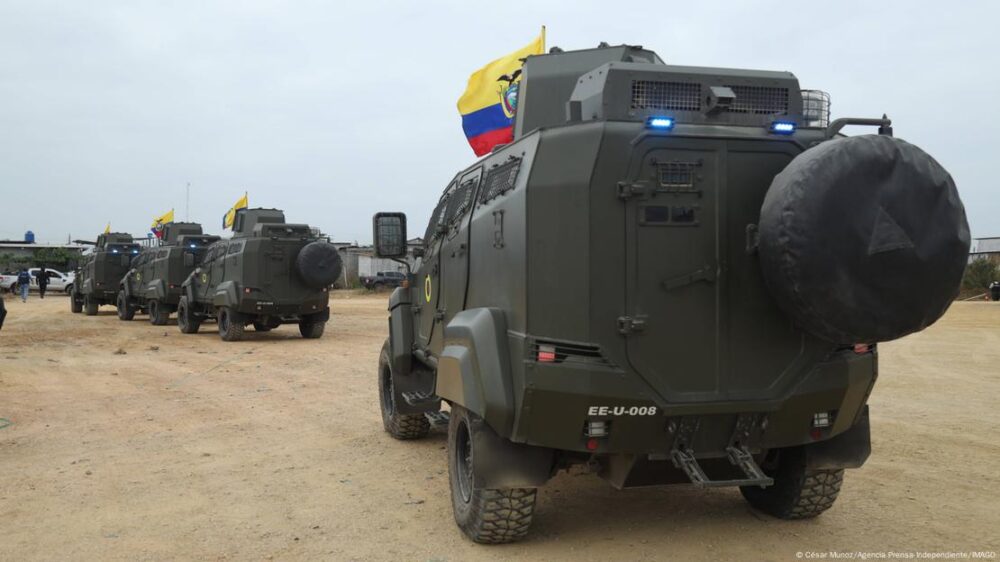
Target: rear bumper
x,y
560,401
252,307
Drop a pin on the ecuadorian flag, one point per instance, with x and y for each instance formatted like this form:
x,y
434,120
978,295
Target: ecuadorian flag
x,y
490,99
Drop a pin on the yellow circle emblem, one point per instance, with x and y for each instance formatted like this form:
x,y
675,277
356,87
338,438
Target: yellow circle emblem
x,y
427,288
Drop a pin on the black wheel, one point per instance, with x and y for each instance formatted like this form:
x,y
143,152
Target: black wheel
x,y
125,310
230,325
186,320
89,306
488,516
400,426
75,304
311,329
797,492
158,313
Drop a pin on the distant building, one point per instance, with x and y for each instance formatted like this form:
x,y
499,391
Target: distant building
x,y
361,261
988,248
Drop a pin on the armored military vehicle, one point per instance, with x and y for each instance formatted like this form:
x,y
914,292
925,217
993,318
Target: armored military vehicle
x,y
100,272
153,285
270,273
672,275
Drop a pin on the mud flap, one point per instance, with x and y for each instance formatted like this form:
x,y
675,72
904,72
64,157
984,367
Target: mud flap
x,y
850,449
501,463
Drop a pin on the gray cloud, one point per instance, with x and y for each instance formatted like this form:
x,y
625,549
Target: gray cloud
x,y
332,111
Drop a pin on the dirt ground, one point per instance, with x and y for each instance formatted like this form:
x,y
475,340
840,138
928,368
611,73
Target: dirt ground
x,y
130,441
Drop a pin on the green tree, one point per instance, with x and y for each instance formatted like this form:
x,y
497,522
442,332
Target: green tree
x,y
980,273
52,257
9,261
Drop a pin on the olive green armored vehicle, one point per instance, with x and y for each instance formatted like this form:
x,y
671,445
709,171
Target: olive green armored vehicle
x,y
672,275
268,274
153,285
100,272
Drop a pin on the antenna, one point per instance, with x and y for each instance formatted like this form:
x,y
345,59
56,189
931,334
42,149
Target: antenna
x,y
187,202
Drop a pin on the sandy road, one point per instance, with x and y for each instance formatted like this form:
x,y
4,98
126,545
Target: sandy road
x,y
129,441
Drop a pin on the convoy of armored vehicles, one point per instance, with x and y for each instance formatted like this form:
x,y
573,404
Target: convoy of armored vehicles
x,y
671,275
269,273
733,261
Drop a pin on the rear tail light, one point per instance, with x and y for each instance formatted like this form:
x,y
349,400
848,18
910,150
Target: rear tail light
x,y
862,348
546,354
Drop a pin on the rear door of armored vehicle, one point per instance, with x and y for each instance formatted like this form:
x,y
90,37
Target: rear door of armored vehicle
x,y
700,324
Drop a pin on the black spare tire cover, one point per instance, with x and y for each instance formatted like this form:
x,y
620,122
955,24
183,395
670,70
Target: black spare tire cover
x,y
318,264
863,239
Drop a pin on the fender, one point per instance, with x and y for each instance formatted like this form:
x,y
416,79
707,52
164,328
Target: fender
x,y
126,284
474,367
401,331
226,294
156,289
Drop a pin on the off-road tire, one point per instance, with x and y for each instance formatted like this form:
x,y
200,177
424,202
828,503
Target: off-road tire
x,y
126,311
400,426
159,314
75,304
798,492
90,306
311,329
487,516
186,321
230,325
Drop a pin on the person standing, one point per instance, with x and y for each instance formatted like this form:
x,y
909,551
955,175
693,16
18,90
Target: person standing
x,y
43,281
24,283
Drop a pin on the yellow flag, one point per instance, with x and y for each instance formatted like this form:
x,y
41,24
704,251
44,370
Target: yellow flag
x,y
490,99
107,229
230,217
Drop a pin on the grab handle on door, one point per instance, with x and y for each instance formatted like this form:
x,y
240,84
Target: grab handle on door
x,y
706,274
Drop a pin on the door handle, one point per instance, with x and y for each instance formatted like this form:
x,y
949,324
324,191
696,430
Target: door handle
x,y
706,274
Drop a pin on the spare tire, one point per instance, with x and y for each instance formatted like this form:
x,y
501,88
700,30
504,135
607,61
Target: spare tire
x,y
318,264
863,239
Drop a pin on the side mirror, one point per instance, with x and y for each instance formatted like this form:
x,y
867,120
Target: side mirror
x,y
188,259
389,235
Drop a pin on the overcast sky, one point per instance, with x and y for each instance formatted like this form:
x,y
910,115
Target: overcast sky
x,y
334,110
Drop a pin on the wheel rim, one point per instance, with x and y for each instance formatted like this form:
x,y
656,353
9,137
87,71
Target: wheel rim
x,y
463,461
387,395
